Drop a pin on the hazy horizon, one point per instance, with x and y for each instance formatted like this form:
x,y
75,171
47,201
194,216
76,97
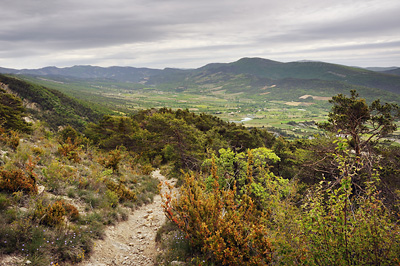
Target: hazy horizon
x,y
160,68
190,34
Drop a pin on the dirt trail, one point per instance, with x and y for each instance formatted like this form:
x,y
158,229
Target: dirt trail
x,y
132,242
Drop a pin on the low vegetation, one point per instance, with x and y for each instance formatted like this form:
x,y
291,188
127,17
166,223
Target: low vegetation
x,y
288,98
260,221
238,212
48,105
246,197
54,202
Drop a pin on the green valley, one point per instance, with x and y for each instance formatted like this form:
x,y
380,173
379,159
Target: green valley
x,y
285,97
78,154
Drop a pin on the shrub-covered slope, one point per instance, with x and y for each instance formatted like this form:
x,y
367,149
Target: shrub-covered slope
x,y
50,105
57,194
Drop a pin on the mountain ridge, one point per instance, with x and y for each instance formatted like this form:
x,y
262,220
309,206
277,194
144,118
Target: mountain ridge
x,y
49,105
395,71
255,69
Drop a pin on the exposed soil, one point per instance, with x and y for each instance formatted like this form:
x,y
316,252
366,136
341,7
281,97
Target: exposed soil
x,y
319,98
131,242
298,103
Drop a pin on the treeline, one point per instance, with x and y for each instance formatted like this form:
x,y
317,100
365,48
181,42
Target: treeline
x,y
333,200
184,140
12,112
51,106
248,197
57,192
178,137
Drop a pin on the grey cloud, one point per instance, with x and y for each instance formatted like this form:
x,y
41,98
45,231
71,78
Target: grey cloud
x,y
370,25
139,31
60,27
358,47
361,26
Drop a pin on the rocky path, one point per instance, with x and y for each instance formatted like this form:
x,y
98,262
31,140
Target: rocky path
x,y
132,242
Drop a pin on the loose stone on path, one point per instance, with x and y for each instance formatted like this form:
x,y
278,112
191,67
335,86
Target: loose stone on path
x,y
132,242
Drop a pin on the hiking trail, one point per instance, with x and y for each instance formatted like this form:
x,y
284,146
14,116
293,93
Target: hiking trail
x,y
132,242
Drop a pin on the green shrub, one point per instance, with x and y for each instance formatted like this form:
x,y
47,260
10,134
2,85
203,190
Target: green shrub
x,y
55,214
147,169
91,198
70,133
12,113
342,228
112,160
94,221
148,188
71,193
57,176
37,150
177,246
52,215
70,150
12,139
112,198
72,245
123,193
8,238
4,202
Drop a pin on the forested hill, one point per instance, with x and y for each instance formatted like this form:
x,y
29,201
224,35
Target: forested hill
x,y
246,197
264,68
255,72
50,105
130,74
395,71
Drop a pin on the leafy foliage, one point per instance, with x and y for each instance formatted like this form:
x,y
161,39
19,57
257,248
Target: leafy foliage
x,y
177,137
59,224
227,229
352,116
10,138
12,113
123,193
50,105
112,160
345,230
256,201
54,214
332,227
70,150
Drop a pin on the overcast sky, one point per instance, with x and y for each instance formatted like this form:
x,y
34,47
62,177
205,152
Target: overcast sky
x,y
192,33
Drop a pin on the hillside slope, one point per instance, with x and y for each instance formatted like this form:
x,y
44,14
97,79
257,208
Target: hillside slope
x,y
127,74
263,68
50,105
395,71
255,69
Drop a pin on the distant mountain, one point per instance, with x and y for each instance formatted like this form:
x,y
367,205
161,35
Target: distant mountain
x,y
380,69
263,68
395,71
386,70
249,74
125,74
8,70
49,105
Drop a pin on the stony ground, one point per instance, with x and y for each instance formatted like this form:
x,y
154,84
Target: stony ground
x,y
132,242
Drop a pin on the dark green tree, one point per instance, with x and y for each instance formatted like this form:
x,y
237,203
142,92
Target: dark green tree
x,y
12,113
177,140
351,116
68,132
